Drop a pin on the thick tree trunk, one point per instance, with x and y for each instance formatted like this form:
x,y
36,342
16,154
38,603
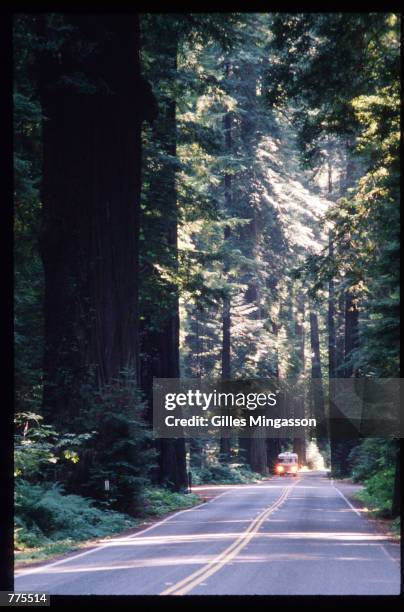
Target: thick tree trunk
x,y
257,443
163,344
396,505
331,320
274,445
255,448
340,335
244,450
332,366
195,445
343,434
172,462
351,332
258,452
196,453
226,340
90,196
225,443
317,384
299,444
346,444
341,431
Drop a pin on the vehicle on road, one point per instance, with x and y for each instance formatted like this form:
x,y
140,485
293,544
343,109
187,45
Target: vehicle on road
x,y
287,464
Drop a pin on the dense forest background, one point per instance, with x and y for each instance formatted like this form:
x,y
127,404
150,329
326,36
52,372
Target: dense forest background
x,y
196,195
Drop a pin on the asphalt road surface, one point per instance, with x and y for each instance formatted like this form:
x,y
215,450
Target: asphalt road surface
x,y
284,536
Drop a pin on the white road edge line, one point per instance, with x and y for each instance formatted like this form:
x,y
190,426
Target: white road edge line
x,y
168,518
42,568
347,501
384,549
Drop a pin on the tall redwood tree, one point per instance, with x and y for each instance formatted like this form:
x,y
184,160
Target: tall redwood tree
x,y
93,102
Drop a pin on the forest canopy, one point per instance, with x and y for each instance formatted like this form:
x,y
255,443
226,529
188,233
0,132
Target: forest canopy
x,y
199,196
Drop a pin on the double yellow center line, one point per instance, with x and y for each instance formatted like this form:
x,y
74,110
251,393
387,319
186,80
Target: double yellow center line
x,y
187,584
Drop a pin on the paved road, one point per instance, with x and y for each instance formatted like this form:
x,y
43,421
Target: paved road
x,y
285,536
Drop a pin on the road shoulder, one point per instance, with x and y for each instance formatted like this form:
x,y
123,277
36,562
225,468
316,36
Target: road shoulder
x,y
349,489
206,493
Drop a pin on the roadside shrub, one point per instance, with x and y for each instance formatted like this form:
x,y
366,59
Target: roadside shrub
x,y
371,456
224,474
157,501
378,492
43,514
122,450
48,520
28,536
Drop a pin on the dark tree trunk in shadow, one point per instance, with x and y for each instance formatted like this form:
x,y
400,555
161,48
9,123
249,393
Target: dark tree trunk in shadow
x,y
351,332
90,194
160,346
396,505
334,415
274,445
225,443
317,382
299,444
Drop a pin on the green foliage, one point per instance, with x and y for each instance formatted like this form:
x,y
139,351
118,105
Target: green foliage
x,y
37,445
181,159
121,451
378,492
339,73
324,61
28,288
321,85
250,265
41,552
224,474
373,464
371,456
157,501
43,514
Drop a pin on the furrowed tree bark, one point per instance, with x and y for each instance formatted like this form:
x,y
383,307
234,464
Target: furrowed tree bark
x,y
340,334
196,453
257,443
331,319
351,332
345,337
161,346
333,414
254,447
225,443
349,329
299,444
90,194
351,339
342,432
195,445
316,374
274,445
